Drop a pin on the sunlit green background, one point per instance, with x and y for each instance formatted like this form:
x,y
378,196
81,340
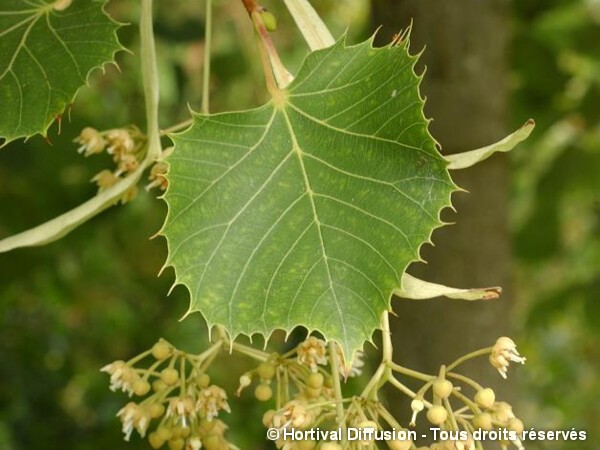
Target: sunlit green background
x,y
69,308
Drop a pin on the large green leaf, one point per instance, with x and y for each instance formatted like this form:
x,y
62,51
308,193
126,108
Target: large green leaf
x,y
308,210
45,57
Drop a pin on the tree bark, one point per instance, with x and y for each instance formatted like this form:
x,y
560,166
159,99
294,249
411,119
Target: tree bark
x,y
466,89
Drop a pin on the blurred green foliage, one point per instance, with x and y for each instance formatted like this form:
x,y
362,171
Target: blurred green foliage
x,y
556,212
69,308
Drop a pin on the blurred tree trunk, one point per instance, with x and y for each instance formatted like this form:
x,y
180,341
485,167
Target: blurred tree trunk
x,y
467,96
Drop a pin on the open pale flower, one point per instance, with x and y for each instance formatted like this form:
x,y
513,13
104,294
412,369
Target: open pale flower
x,y
120,143
311,352
296,414
134,416
211,400
503,353
105,179
182,408
91,142
122,376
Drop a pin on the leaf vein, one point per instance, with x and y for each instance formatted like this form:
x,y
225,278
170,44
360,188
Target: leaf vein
x,y
230,168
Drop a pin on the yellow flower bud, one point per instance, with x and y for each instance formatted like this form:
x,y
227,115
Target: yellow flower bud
x,y
437,415
161,350
169,376
485,398
442,388
266,371
263,392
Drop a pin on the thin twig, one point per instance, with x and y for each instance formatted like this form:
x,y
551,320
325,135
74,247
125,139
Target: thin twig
x,y
337,388
207,50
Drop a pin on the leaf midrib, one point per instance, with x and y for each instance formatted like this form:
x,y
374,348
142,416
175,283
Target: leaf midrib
x,y
299,153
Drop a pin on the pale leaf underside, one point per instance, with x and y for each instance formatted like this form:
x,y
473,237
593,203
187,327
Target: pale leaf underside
x,y
307,211
45,57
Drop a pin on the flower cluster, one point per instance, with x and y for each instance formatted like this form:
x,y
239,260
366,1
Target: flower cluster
x,y
127,147
178,395
449,408
305,398
305,386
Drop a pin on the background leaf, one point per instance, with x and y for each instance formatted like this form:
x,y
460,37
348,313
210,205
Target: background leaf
x,y
308,210
45,57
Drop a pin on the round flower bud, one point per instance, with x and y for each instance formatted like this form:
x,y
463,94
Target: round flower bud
x,y
155,440
437,415
161,350
164,433
202,380
398,444
212,442
176,432
156,410
141,387
176,444
266,371
315,380
263,392
485,398
158,385
482,421
169,376
442,388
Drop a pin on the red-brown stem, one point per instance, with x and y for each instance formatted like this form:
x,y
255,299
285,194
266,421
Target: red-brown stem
x,y
282,76
266,63
250,5
275,72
